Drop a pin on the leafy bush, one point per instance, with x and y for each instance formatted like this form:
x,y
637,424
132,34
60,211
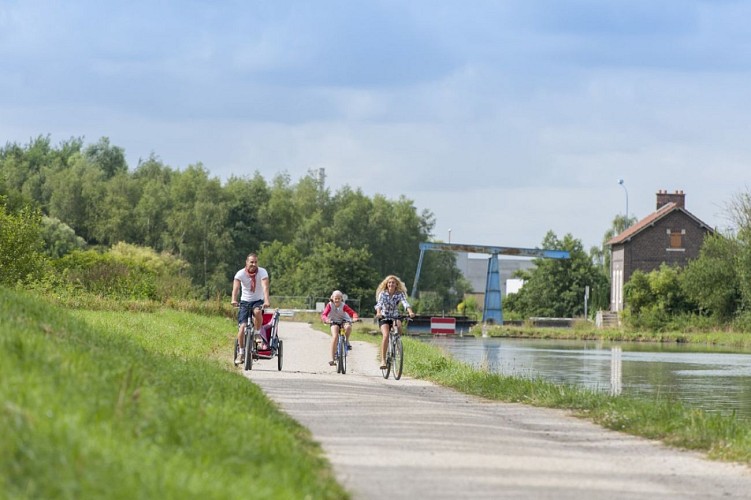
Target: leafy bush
x,y
21,259
125,272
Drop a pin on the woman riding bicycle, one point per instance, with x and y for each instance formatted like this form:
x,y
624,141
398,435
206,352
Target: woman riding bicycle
x,y
389,294
339,315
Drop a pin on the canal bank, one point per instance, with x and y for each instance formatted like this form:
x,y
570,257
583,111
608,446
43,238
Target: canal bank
x,y
714,379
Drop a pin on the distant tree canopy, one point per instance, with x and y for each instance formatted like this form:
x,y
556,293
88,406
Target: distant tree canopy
x,y
310,239
556,287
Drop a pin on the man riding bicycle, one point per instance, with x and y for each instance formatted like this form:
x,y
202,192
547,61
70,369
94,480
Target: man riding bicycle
x,y
252,299
339,315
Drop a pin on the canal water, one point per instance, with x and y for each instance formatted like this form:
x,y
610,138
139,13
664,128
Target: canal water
x,y
714,379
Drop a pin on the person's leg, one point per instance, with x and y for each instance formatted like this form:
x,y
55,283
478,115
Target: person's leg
x,y
241,336
384,342
242,319
347,332
258,317
334,340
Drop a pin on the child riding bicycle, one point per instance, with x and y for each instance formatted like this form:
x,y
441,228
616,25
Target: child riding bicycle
x,y
339,315
390,293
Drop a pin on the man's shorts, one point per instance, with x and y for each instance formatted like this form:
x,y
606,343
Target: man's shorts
x,y
245,310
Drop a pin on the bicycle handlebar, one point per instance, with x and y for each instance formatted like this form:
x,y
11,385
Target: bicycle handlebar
x,y
341,323
400,317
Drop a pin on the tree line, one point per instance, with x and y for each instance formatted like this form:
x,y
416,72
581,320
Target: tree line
x,y
75,217
92,211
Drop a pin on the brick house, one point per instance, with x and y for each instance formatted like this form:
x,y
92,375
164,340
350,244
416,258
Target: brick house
x,y
671,234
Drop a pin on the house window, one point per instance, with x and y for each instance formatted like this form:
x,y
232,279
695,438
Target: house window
x,y
676,240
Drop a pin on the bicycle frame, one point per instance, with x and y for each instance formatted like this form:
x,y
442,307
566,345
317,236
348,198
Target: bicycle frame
x,y
395,350
341,350
251,349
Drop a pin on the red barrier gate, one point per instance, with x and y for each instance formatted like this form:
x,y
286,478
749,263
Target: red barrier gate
x,y
443,326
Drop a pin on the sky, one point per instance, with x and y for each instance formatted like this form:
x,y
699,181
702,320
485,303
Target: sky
x,y
505,119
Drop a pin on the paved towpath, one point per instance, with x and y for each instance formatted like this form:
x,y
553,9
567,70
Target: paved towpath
x,y
413,439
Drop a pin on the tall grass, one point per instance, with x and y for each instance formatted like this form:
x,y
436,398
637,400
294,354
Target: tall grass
x,y
113,404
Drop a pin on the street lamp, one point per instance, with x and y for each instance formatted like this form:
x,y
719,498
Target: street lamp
x,y
620,181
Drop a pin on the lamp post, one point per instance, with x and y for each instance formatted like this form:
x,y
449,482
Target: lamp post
x,y
620,181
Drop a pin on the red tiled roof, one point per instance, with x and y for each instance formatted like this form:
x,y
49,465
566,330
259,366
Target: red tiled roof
x,y
648,221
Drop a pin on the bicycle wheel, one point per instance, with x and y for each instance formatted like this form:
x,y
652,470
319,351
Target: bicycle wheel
x,y
279,353
249,347
386,371
342,357
398,358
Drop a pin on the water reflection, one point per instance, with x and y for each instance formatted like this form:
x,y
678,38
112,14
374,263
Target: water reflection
x,y
715,379
616,373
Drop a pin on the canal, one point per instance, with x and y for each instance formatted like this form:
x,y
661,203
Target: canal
x,y
714,379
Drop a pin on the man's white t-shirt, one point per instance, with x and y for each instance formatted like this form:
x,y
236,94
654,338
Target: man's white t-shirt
x,y
244,278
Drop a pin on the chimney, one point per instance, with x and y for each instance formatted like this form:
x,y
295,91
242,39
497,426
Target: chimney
x,y
663,198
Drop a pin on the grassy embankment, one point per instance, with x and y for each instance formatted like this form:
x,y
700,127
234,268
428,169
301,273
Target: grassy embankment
x,y
721,437
114,404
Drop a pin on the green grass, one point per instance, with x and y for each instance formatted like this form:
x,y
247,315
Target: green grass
x,y
115,404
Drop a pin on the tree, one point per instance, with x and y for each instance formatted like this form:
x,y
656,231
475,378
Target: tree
x,y
110,159
154,204
20,245
246,228
59,238
442,286
638,292
555,287
711,280
115,221
75,196
197,227
318,273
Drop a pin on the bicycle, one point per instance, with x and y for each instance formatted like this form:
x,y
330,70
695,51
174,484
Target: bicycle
x,y
254,342
395,350
249,337
341,347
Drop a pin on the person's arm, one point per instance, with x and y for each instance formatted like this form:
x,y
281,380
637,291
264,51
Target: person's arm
x,y
235,288
379,304
265,285
351,312
407,306
325,313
